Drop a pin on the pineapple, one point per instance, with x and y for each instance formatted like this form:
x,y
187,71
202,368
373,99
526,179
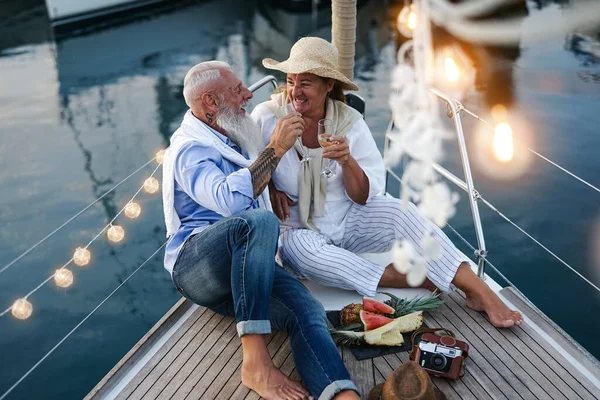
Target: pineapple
x,y
351,314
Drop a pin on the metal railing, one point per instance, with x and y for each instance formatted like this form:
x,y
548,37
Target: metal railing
x,y
455,108
467,186
267,79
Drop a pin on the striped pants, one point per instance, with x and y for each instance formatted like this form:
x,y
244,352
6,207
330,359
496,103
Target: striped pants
x,y
372,228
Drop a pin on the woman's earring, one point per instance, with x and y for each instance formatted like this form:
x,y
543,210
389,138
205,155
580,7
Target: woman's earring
x,y
209,117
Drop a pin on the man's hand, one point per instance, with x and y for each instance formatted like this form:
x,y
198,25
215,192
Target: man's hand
x,y
287,130
280,202
337,149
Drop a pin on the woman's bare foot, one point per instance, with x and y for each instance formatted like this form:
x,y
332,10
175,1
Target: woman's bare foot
x,y
481,298
260,375
499,314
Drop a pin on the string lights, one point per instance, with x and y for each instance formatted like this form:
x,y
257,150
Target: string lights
x,y
63,277
132,210
151,185
115,233
21,309
82,256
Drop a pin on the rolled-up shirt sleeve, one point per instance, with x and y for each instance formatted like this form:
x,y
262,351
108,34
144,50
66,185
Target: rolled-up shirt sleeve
x,y
198,174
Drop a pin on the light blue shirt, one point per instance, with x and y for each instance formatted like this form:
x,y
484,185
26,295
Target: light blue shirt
x,y
208,188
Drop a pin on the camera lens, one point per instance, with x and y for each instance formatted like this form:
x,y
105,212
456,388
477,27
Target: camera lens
x,y
438,361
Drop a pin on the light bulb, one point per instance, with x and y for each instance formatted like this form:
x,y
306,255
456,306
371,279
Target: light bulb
x,y
503,142
63,277
452,71
133,210
407,20
499,113
160,156
115,233
151,185
21,309
82,256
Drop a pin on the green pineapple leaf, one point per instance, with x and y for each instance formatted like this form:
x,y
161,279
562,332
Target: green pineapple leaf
x,y
426,302
346,338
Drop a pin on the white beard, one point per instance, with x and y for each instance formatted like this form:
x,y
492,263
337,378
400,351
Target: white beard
x,y
241,130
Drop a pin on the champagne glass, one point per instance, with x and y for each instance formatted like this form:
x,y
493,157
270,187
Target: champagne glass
x,y
325,133
288,109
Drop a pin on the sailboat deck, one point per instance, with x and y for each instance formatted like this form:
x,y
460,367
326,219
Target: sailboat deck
x,y
202,360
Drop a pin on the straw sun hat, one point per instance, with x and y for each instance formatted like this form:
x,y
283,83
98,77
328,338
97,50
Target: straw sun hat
x,y
407,382
312,55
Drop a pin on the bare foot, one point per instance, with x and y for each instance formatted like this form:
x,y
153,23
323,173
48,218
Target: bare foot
x,y
481,298
499,314
271,384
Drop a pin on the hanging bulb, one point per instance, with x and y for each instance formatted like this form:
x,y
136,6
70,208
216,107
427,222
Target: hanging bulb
x,y
63,277
503,142
160,156
499,113
407,20
151,185
133,210
21,309
452,71
115,233
82,256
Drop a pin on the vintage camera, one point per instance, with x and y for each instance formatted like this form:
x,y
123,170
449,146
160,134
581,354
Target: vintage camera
x,y
442,356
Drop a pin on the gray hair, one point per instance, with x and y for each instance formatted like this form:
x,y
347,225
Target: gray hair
x,y
199,77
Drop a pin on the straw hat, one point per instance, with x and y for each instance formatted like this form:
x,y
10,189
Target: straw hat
x,y
312,55
407,382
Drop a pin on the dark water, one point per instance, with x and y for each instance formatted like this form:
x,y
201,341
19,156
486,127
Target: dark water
x,y
81,114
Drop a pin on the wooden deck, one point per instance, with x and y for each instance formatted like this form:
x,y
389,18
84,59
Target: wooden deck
x,y
202,360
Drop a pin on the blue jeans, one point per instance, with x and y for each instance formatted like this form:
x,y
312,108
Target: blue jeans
x,y
230,268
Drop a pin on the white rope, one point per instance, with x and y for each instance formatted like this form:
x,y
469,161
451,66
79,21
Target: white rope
x,y
3,313
536,153
487,203
78,325
29,250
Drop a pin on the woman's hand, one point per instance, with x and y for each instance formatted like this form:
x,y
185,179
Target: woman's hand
x,y
337,149
280,202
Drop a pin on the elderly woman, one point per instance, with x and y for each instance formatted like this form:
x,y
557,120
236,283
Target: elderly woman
x,y
326,221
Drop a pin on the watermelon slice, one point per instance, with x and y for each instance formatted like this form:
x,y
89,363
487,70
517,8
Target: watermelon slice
x,y
376,306
372,320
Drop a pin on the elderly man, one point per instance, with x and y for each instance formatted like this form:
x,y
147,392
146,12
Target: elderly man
x,y
221,252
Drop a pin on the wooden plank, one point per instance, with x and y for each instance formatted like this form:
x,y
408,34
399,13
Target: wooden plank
x,y
519,365
140,349
192,364
567,343
361,372
213,364
480,343
552,383
140,384
554,361
165,370
242,391
229,371
489,378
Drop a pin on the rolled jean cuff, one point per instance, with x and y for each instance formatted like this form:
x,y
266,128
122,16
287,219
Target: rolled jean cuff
x,y
335,387
259,327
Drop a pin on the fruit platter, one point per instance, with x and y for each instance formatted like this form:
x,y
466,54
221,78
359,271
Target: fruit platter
x,y
378,323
